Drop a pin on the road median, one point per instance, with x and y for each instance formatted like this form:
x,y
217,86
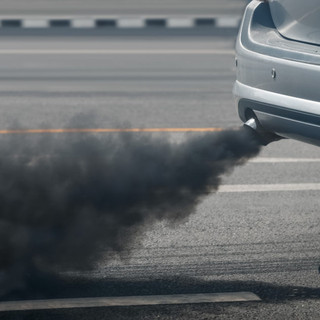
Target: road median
x,y
114,23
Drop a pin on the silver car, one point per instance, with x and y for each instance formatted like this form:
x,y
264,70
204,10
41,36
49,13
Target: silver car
x,y
278,68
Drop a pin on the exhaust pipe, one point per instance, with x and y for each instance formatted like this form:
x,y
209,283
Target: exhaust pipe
x,y
264,137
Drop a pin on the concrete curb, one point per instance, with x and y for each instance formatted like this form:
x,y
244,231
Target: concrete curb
x,y
119,23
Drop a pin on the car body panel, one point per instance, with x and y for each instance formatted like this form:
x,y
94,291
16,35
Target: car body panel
x,y
278,80
298,20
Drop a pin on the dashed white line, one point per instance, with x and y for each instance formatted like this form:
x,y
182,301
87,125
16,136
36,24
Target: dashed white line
x,y
82,23
128,301
35,23
227,22
130,23
123,22
180,23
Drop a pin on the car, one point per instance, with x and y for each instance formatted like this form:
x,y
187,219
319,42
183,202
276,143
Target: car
x,y
278,69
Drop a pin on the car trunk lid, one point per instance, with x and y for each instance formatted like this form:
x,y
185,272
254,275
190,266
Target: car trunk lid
x,y
297,20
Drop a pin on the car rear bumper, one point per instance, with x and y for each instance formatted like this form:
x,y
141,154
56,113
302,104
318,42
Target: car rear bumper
x,y
277,79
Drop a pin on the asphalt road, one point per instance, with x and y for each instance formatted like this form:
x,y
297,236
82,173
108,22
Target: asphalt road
x,y
266,242
121,7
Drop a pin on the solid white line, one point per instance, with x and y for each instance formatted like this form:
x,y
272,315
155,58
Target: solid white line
x,y
180,23
118,52
269,187
284,160
127,301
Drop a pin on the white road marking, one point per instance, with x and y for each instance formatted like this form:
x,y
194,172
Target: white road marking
x,y
269,187
284,160
180,23
116,52
127,301
35,23
83,23
227,22
130,23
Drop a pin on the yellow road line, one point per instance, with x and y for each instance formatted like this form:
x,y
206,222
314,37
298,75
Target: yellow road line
x,y
103,130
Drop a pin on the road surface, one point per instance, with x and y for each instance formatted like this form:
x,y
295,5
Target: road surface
x,y
121,7
248,237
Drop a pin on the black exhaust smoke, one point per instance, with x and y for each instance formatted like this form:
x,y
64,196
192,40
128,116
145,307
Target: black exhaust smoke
x,y
66,199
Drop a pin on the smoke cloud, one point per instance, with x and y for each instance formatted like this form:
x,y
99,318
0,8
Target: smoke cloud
x,y
64,199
